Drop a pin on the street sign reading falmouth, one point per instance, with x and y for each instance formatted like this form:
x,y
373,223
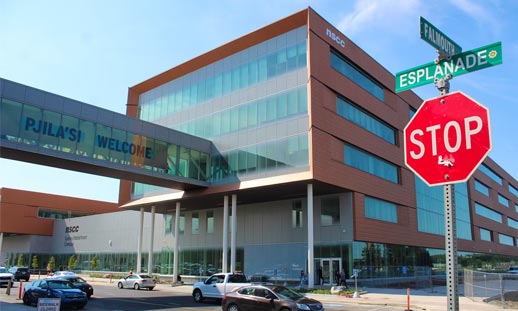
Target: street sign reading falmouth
x,y
438,39
447,139
473,60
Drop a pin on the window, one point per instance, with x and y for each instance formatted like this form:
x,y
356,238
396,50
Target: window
x,y
488,213
480,187
513,190
330,211
379,209
371,164
505,239
512,223
365,120
195,223
503,200
181,225
210,222
354,74
296,214
489,172
168,219
485,235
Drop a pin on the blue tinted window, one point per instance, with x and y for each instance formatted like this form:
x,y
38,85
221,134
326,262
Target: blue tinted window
x,y
505,239
512,223
366,120
485,235
379,209
513,190
488,213
489,172
480,187
503,200
370,163
356,75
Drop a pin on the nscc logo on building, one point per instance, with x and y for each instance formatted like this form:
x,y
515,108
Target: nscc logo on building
x,y
447,139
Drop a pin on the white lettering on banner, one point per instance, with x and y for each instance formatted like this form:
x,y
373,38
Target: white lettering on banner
x,y
335,37
416,136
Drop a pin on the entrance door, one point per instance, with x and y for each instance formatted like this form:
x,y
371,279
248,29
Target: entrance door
x,y
329,268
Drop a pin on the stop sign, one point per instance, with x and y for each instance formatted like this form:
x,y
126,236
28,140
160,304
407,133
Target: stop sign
x,y
447,139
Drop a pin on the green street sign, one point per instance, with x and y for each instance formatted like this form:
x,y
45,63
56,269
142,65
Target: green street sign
x,y
473,60
438,39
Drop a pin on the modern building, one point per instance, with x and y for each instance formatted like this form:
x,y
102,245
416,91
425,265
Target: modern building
x,y
306,168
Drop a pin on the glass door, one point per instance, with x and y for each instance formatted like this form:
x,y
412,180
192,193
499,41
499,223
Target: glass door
x,y
329,268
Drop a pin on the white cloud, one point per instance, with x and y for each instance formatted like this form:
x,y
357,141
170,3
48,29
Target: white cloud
x,y
394,17
480,12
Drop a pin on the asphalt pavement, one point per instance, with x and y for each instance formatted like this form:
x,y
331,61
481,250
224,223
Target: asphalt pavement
x,y
387,299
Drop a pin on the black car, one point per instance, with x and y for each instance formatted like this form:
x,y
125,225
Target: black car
x,y
268,297
20,273
70,296
78,282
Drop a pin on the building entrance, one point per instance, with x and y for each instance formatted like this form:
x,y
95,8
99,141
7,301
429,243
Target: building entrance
x,y
329,268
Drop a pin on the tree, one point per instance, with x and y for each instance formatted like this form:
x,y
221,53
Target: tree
x,y
95,263
20,260
72,261
35,264
52,263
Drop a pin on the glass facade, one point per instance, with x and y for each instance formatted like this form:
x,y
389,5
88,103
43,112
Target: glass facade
x,y
358,76
365,120
253,106
487,213
380,209
330,211
31,125
430,209
370,163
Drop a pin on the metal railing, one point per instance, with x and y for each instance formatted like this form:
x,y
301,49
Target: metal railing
x,y
495,288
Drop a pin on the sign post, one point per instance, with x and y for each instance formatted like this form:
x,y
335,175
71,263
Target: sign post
x,y
449,136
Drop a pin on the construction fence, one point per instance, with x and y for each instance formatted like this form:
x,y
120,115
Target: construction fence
x,y
494,288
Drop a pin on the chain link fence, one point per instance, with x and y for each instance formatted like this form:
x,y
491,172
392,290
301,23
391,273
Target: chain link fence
x,y
495,288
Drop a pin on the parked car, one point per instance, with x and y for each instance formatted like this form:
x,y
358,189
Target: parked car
x,y
513,270
63,273
70,296
20,273
137,281
268,297
217,285
80,283
5,276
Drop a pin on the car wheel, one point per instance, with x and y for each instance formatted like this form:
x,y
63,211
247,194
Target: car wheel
x,y
26,300
120,286
197,295
232,307
150,288
136,286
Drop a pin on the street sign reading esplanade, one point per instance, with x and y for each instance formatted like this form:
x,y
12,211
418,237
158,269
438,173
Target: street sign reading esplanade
x,y
473,60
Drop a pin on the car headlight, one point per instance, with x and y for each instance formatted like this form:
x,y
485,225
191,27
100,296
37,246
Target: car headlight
x,y
303,306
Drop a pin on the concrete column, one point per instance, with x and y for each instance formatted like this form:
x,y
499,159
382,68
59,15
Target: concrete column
x,y
151,241
176,241
225,235
139,240
233,235
311,255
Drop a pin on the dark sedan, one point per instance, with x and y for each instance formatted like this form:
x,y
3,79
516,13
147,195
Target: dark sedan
x,y
20,273
70,296
80,283
268,297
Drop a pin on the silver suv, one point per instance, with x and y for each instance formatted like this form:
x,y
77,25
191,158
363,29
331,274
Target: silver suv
x,y
5,276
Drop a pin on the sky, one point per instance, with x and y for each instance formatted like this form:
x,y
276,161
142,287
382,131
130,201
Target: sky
x,y
94,50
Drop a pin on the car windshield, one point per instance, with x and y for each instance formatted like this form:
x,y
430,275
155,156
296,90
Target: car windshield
x,y
3,270
145,276
286,293
59,285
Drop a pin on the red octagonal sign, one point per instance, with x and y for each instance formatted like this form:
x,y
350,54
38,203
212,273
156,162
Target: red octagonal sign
x,y
447,139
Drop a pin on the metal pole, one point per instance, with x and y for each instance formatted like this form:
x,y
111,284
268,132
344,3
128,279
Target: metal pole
x,y
450,225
